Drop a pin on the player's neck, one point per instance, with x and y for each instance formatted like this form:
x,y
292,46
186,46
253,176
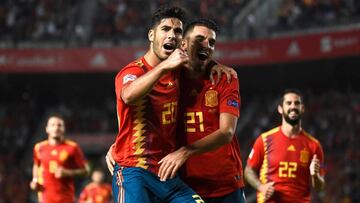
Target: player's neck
x,y
291,130
151,58
55,141
194,74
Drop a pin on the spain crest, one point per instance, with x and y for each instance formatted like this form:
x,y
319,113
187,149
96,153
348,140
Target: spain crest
x,y
304,156
211,98
63,155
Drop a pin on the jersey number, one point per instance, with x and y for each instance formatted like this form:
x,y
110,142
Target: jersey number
x,y
169,114
287,169
191,119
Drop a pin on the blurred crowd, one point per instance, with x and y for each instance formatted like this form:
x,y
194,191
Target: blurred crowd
x,y
118,20
84,23
303,14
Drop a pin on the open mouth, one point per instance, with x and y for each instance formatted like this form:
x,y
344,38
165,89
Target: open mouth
x,y
203,55
169,46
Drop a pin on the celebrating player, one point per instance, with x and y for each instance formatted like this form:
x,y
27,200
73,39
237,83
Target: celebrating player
x,y
213,168
286,160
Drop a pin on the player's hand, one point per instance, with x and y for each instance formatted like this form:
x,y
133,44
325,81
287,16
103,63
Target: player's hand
x,y
267,190
176,59
314,166
110,162
34,185
170,164
218,69
61,172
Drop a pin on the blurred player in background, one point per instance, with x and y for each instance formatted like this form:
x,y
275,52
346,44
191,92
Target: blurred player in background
x,y
285,161
56,162
97,191
213,168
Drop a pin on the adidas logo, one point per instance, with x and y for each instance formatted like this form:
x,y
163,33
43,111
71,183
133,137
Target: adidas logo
x,y
170,84
291,148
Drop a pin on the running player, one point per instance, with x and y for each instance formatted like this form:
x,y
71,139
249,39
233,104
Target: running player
x,y
56,162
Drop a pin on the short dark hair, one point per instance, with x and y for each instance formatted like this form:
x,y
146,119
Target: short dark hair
x,y
288,91
168,12
54,114
202,22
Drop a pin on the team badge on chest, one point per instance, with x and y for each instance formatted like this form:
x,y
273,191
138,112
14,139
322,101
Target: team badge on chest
x,y
304,156
211,98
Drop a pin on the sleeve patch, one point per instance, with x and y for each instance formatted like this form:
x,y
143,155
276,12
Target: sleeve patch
x,y
129,77
232,103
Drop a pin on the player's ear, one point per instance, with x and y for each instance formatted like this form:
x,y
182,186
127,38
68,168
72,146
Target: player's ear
x,y
302,108
280,109
183,44
151,35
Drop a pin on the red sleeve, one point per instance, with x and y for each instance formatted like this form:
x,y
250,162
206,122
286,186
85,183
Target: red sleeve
x,y
230,97
125,76
256,155
79,159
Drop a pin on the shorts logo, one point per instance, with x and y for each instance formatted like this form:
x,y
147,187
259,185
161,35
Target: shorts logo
x,y
129,77
232,103
211,98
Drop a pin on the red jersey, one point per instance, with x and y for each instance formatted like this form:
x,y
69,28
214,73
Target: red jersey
x,y
96,193
285,161
146,129
48,157
218,172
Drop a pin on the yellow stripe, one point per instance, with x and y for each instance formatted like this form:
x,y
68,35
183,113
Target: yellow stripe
x,y
310,137
265,165
139,124
270,132
260,197
70,142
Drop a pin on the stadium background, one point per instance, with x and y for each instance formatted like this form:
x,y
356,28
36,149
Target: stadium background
x,y
63,55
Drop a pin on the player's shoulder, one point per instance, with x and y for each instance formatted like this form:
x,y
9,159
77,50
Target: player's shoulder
x,y
70,143
270,132
310,137
41,144
90,186
138,63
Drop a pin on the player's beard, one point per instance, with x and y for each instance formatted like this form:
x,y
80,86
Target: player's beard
x,y
292,121
196,64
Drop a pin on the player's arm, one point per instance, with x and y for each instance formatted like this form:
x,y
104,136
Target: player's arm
x,y
63,172
110,162
252,178
34,184
173,161
141,86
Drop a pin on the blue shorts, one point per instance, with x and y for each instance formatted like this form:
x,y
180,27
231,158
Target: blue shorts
x,y
137,185
238,196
